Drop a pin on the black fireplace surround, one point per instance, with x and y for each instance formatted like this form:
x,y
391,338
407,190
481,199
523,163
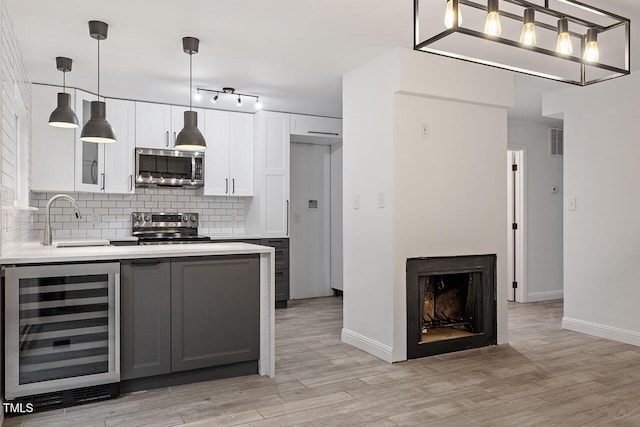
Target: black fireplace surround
x,y
466,287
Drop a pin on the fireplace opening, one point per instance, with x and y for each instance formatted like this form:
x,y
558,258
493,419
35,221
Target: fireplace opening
x,y
447,308
450,304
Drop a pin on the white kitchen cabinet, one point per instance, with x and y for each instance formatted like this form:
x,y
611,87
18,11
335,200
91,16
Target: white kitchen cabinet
x,y
52,149
229,156
153,125
315,126
89,156
106,168
268,212
119,159
158,125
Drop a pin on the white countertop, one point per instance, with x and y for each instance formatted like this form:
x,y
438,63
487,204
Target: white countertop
x,y
34,252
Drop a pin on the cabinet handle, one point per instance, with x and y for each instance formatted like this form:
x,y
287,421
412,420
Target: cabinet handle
x,y
226,186
167,142
174,139
233,185
103,181
130,182
323,133
287,218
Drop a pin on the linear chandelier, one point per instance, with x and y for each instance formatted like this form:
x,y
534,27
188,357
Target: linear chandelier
x,y
562,40
229,91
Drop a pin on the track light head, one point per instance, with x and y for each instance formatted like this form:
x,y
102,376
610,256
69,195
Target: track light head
x,y
214,99
258,104
239,103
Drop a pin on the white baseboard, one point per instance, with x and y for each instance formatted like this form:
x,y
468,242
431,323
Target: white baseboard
x,y
602,331
382,351
545,296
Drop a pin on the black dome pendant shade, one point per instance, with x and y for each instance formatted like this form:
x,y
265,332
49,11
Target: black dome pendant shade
x,y
98,129
63,116
190,138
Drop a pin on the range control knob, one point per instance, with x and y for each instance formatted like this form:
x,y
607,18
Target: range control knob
x,y
193,218
138,218
146,218
185,218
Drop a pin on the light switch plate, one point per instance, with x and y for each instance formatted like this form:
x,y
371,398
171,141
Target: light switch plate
x,y
381,200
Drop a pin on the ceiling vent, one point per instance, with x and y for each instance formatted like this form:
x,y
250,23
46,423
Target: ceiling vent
x,y
556,143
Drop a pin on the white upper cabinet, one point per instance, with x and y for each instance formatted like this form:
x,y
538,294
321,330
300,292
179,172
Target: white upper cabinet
x,y
106,168
158,125
52,149
315,126
119,160
89,156
153,126
228,158
216,156
241,154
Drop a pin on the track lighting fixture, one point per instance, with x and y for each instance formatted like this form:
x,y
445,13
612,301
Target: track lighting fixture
x,y
197,96
231,92
63,116
98,129
190,138
537,38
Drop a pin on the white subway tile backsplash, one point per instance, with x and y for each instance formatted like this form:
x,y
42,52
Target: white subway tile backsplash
x,y
107,216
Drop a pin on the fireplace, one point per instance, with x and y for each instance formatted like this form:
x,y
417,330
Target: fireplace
x,y
451,304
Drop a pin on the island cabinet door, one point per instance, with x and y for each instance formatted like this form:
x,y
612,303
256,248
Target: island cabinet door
x,y
145,327
215,311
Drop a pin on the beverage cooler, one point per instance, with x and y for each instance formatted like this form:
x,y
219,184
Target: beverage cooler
x,y
62,332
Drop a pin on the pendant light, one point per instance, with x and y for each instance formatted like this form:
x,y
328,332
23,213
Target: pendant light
x,y
98,129
591,52
492,26
564,45
528,35
190,138
449,15
63,116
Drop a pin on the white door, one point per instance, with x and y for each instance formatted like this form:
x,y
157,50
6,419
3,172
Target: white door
x,y
516,226
274,128
119,161
153,125
241,154
310,241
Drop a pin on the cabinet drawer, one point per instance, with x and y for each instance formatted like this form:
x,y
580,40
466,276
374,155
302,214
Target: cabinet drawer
x,y
282,258
276,243
252,241
282,285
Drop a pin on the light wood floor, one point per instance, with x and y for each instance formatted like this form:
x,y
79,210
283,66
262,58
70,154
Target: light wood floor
x,y
545,377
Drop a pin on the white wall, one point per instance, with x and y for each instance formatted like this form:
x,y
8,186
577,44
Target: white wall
x,y
601,237
310,237
16,133
336,217
385,103
543,230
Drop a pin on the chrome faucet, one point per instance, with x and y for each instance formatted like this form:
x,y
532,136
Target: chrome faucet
x,y
48,233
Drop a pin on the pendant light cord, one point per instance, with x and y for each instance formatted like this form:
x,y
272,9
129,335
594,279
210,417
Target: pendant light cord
x,y
64,81
98,69
190,80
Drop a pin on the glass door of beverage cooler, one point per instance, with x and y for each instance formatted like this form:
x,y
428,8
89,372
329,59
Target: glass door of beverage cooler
x,y
61,327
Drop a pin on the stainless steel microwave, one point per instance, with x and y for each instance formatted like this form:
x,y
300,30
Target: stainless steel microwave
x,y
169,168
